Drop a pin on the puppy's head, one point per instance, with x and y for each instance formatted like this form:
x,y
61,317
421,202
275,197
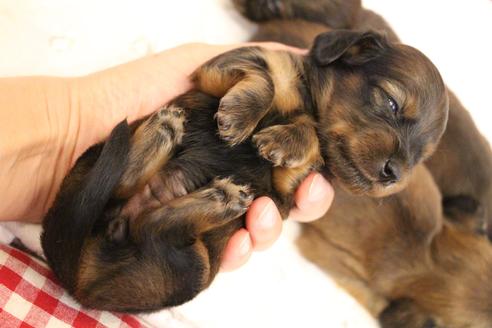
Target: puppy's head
x,y
382,109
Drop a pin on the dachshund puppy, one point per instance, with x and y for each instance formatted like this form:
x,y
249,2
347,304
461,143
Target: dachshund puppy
x,y
402,260
141,221
463,153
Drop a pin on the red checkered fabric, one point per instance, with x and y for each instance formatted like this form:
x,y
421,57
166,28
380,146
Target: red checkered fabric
x,y
31,297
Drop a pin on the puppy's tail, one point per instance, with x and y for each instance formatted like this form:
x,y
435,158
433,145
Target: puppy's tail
x,y
81,203
333,13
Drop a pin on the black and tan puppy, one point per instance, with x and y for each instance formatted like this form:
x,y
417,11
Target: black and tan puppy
x,y
463,154
397,256
141,221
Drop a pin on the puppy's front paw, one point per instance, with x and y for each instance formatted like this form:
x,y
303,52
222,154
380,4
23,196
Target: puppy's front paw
x,y
282,145
236,120
234,199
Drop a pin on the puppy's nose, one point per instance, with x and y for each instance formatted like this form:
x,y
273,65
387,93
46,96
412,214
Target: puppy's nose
x,y
390,172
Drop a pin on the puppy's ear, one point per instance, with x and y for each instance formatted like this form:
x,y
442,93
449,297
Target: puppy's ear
x,y
351,47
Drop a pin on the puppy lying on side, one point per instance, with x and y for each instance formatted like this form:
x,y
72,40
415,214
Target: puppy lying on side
x,y
463,153
141,221
399,256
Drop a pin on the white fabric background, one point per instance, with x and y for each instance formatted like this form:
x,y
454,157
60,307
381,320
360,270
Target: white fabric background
x,y
277,287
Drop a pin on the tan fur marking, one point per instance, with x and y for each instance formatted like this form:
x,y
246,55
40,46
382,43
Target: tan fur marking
x,y
406,103
88,266
287,179
212,80
150,150
202,252
285,79
395,91
428,150
313,155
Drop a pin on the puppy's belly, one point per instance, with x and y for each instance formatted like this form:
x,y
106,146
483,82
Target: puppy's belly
x,y
152,196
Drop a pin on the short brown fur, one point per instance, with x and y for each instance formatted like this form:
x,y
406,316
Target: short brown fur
x,y
462,168
272,124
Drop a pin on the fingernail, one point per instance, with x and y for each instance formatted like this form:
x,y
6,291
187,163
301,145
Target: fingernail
x,y
268,216
245,245
318,189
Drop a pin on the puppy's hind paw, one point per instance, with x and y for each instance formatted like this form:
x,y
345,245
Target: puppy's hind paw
x,y
235,199
171,121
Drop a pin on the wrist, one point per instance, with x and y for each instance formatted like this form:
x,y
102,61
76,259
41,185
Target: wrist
x,y
129,91
35,138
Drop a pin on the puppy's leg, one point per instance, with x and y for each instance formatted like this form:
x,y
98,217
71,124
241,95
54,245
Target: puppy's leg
x,y
241,79
294,150
165,259
250,81
289,145
404,313
186,218
151,146
334,13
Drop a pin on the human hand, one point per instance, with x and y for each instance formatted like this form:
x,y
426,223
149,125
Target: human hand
x,y
264,224
52,121
46,123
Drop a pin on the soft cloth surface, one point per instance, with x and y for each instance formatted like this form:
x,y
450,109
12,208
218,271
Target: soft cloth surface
x,y
276,288
31,297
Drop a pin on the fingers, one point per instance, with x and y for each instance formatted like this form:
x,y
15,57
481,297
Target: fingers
x,y
313,198
237,251
263,222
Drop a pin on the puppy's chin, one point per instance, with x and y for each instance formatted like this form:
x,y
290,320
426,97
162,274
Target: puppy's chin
x,y
381,190
375,189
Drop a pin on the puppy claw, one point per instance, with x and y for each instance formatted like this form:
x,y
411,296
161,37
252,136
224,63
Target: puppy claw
x,y
235,199
235,124
223,126
274,144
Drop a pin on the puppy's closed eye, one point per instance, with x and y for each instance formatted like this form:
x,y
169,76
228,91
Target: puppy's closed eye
x,y
393,106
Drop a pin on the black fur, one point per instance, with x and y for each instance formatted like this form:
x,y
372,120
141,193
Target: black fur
x,y
83,204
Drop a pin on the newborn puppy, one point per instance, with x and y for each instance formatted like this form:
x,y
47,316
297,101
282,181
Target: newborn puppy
x,y
461,167
141,221
463,153
402,260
